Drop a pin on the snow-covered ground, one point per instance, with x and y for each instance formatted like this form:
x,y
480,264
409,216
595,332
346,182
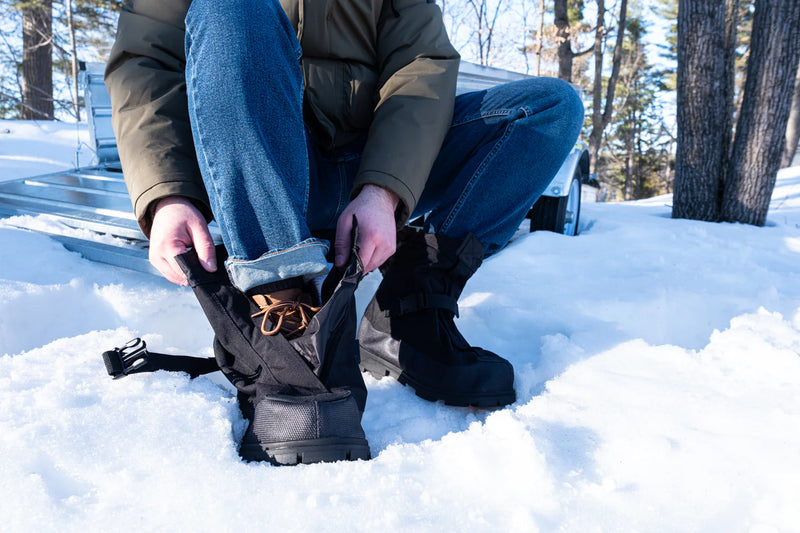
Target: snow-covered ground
x,y
658,381
29,147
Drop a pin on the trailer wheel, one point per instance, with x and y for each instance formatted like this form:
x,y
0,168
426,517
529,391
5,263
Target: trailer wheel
x,y
560,215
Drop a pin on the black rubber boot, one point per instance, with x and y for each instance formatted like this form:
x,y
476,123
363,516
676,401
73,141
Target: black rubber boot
x,y
288,387
408,331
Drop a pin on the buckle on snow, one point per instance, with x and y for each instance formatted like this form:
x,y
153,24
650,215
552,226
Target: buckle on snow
x,y
125,360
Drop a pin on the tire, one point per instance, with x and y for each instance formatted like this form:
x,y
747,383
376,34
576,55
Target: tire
x,y
559,215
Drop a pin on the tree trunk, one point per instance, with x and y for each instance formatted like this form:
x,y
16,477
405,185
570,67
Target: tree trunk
x,y
627,193
729,84
564,42
701,109
599,124
597,88
539,38
793,127
73,61
760,132
37,61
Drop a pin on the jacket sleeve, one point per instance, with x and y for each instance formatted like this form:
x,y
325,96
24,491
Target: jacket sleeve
x,y
146,81
417,83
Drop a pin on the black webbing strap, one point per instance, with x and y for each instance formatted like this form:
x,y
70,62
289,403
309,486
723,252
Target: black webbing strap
x,y
133,358
424,300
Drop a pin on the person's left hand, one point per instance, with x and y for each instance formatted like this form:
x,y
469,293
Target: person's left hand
x,y
374,207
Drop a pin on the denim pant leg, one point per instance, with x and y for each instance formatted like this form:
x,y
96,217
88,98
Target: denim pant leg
x,y
245,91
504,147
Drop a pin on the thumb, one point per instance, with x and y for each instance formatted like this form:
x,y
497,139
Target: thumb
x,y
342,243
204,246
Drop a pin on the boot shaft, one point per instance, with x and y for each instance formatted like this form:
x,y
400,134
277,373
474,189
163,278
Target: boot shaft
x,y
431,265
325,356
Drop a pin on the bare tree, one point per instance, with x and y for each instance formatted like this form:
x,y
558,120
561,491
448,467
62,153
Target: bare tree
x,y
564,39
485,23
602,117
524,15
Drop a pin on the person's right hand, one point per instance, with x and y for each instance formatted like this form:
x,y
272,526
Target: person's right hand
x,y
178,225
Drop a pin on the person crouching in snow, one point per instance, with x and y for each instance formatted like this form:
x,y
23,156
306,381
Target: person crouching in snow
x,y
285,119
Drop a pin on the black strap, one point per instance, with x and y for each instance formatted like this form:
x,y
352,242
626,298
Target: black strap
x,y
133,358
424,300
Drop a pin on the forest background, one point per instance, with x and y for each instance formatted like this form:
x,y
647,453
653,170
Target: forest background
x,y
622,54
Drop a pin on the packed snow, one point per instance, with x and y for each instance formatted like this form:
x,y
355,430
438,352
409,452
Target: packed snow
x,y
657,372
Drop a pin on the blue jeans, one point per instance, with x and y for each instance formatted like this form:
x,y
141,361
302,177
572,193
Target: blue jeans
x,y
270,186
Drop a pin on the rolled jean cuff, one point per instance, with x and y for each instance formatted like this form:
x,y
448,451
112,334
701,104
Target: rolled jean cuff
x,y
306,259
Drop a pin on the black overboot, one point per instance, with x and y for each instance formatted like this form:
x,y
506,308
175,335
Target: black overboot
x,y
304,397
408,331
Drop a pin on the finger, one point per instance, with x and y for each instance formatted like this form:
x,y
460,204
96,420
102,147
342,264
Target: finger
x,y
366,252
203,245
165,261
176,271
380,256
166,270
342,244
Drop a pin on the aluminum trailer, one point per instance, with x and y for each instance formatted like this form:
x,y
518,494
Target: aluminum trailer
x,y
88,209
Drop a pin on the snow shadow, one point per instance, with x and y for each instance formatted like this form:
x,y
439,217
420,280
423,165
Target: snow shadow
x,y
570,450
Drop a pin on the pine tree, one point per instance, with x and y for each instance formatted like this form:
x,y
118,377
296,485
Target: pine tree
x,y
637,152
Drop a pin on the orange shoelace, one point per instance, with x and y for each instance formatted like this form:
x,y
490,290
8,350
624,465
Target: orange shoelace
x,y
288,317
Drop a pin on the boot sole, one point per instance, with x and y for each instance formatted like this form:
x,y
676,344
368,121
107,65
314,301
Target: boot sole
x,y
327,450
379,368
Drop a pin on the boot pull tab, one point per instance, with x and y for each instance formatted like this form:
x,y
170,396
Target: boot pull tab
x,y
354,269
354,266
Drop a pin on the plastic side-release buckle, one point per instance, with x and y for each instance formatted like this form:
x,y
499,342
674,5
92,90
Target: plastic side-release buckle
x,y
126,360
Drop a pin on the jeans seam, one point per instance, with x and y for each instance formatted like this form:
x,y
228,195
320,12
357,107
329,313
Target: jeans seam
x,y
485,114
456,209
307,159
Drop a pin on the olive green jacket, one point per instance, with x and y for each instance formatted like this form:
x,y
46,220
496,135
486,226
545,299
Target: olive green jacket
x,y
381,66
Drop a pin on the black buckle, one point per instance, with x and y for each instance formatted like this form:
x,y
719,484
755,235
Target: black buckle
x,y
421,301
126,360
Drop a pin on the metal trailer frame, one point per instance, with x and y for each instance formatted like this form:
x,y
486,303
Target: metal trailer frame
x,y
89,211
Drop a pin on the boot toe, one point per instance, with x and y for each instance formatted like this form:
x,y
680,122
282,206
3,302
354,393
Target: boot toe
x,y
483,379
305,429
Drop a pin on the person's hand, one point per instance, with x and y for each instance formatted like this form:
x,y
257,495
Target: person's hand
x,y
374,208
178,225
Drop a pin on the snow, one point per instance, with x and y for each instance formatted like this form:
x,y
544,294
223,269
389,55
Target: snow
x,y
657,368
29,147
